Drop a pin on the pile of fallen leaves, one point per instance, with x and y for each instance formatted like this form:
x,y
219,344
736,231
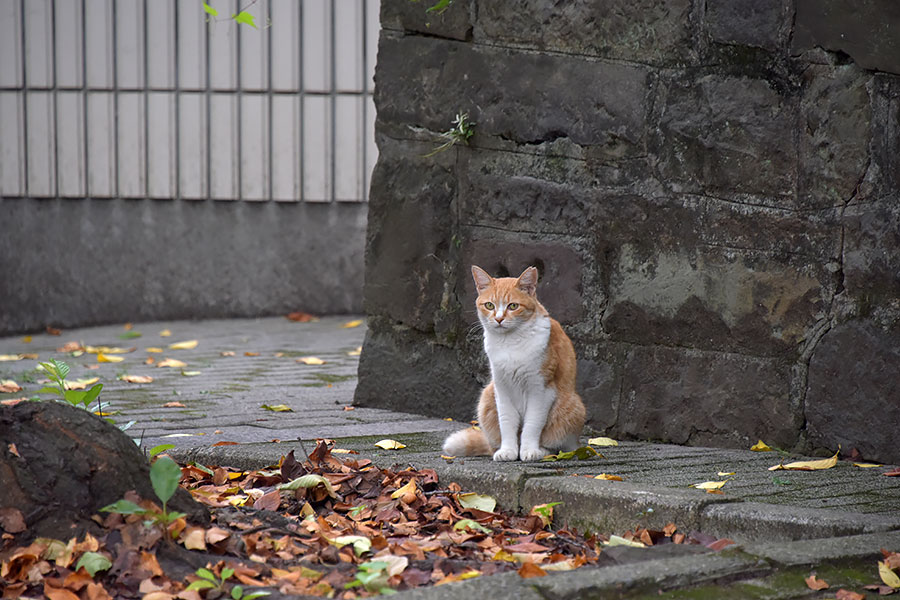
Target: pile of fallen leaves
x,y
326,527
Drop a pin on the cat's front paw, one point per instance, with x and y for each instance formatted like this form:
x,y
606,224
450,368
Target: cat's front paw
x,y
506,454
532,454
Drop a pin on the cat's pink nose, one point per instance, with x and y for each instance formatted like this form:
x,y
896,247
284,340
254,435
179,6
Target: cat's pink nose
x,y
499,320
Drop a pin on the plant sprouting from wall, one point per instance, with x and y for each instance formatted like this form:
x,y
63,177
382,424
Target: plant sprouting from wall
x,y
462,130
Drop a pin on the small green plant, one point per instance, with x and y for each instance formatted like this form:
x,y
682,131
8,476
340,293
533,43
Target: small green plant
x,y
462,130
372,576
164,476
57,370
209,581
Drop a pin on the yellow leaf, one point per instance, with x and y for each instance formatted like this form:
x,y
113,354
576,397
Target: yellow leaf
x,y
356,352
808,465
165,333
407,493
350,324
278,408
608,477
445,457
602,441
8,357
390,445
171,362
154,350
188,345
360,543
477,501
8,386
311,360
615,540
888,576
760,446
709,485
107,350
724,474
190,373
26,339
108,359
136,378
81,384
866,465
194,538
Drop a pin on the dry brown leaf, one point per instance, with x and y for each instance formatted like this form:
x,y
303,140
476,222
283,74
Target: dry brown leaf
x,y
8,386
136,378
529,570
843,594
173,404
815,584
301,317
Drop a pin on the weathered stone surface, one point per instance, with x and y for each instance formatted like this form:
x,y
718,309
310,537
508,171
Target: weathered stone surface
x,y
407,371
700,398
872,251
835,136
759,23
524,97
711,300
640,30
864,29
454,23
727,135
409,233
598,384
853,399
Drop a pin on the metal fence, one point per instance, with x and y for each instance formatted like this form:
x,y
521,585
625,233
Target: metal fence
x,y
151,99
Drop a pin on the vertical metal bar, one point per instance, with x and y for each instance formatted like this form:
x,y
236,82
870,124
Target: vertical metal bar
x,y
302,87
146,108
115,70
24,97
84,100
333,94
270,103
177,104
207,93
54,95
364,133
240,122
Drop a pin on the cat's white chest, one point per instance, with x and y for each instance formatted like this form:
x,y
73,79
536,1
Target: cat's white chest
x,y
517,357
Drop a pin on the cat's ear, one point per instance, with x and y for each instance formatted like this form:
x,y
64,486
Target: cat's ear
x,y
482,279
527,281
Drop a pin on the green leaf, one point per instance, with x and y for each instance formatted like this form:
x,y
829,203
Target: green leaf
x,y
60,368
258,594
582,453
227,573
165,475
160,448
374,566
92,393
201,584
75,397
49,390
440,7
244,17
473,525
237,592
93,562
308,481
171,516
124,507
210,10
205,574
130,335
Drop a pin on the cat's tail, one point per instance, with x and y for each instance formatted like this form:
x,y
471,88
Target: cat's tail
x,y
467,442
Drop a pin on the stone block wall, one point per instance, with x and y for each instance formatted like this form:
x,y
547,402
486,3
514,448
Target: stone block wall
x,y
709,189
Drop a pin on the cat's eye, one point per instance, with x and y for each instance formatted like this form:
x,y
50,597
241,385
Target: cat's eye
x,y
489,305
513,305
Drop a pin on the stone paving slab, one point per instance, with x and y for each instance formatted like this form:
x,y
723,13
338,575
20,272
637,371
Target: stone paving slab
x,y
844,513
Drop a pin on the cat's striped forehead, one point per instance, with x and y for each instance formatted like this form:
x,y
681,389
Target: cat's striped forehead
x,y
504,290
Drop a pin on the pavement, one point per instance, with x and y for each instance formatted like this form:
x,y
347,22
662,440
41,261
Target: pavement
x,y
786,524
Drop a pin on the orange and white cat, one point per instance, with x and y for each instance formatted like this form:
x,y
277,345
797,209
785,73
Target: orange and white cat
x,y
530,407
